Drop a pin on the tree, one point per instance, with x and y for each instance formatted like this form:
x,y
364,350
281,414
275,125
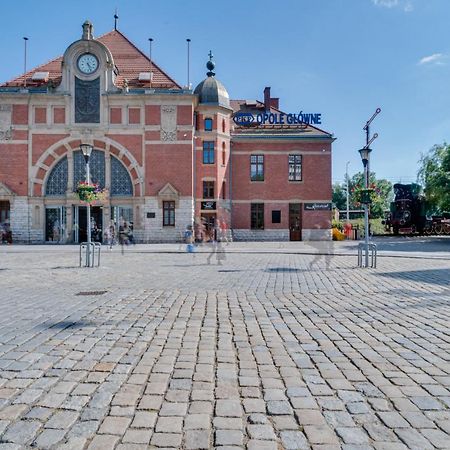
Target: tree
x,y
382,200
378,206
339,196
434,174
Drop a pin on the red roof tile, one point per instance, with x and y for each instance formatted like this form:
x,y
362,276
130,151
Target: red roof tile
x,y
129,60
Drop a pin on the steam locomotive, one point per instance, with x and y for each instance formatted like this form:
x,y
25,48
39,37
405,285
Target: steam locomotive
x,y
408,213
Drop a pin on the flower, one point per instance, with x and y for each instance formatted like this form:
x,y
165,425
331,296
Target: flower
x,y
90,192
363,195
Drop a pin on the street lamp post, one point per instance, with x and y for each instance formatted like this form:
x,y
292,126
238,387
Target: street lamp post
x,y
86,149
365,157
346,178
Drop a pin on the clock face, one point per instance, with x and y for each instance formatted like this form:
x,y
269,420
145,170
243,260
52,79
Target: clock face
x,y
87,63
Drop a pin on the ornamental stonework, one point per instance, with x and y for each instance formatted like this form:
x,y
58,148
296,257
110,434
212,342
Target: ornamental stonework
x,y
5,122
168,123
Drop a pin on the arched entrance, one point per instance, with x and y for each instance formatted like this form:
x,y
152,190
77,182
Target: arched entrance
x,y
65,216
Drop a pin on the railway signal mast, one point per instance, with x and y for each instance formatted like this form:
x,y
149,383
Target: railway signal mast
x,y
365,157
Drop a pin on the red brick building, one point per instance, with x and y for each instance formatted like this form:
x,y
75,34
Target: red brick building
x,y
166,155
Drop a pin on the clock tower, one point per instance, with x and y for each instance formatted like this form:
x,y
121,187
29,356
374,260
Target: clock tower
x,y
88,70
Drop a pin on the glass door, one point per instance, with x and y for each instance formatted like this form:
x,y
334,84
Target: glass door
x,y
55,224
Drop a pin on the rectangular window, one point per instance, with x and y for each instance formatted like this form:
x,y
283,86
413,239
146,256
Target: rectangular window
x,y
168,214
276,216
208,124
224,192
295,167
208,152
208,189
257,216
257,167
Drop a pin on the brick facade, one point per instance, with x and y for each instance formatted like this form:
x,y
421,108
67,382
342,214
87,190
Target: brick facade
x,y
151,143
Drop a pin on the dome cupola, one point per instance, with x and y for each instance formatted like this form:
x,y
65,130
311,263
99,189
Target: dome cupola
x,y
211,90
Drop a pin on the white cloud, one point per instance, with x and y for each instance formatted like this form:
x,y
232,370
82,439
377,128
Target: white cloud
x,y
407,5
385,3
435,58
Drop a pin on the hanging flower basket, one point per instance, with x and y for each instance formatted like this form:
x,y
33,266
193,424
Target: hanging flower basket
x,y
365,196
90,193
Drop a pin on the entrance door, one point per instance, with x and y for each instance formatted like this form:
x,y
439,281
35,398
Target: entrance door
x,y
4,212
55,224
209,224
295,221
120,214
80,224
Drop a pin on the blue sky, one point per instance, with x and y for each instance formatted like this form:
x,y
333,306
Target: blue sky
x,y
342,58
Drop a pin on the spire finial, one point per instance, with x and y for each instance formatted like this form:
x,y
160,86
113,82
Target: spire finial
x,y
116,18
210,65
88,30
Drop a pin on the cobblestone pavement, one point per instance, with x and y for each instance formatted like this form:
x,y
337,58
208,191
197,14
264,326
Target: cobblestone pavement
x,y
262,351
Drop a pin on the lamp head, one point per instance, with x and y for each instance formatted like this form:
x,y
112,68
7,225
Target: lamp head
x,y
365,155
86,149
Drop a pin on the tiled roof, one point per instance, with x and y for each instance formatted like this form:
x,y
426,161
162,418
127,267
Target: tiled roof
x,y
129,60
257,107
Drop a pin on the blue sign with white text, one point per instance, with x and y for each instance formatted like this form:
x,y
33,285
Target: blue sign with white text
x,y
247,119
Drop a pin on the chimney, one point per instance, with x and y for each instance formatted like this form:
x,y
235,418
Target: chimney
x,y
275,103
267,98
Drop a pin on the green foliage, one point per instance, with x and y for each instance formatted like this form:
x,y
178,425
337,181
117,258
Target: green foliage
x,y
434,173
339,196
337,224
380,202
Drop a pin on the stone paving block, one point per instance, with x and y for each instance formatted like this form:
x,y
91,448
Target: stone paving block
x,y
49,438
413,439
114,425
144,419
277,407
103,442
166,440
254,406
437,437
228,408
197,421
169,425
294,440
352,435
173,409
22,432
229,437
320,435
137,436
254,444
197,439
261,432
62,420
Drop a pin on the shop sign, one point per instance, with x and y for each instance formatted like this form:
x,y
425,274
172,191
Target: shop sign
x,y
317,206
247,119
208,206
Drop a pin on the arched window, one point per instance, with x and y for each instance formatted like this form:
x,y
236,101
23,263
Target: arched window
x,y
224,154
57,180
121,184
96,167
120,179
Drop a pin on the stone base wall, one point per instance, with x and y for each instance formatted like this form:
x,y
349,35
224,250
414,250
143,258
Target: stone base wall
x,y
153,229
20,221
316,235
260,235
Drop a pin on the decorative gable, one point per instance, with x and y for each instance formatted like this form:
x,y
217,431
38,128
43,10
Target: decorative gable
x,y
6,192
168,193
